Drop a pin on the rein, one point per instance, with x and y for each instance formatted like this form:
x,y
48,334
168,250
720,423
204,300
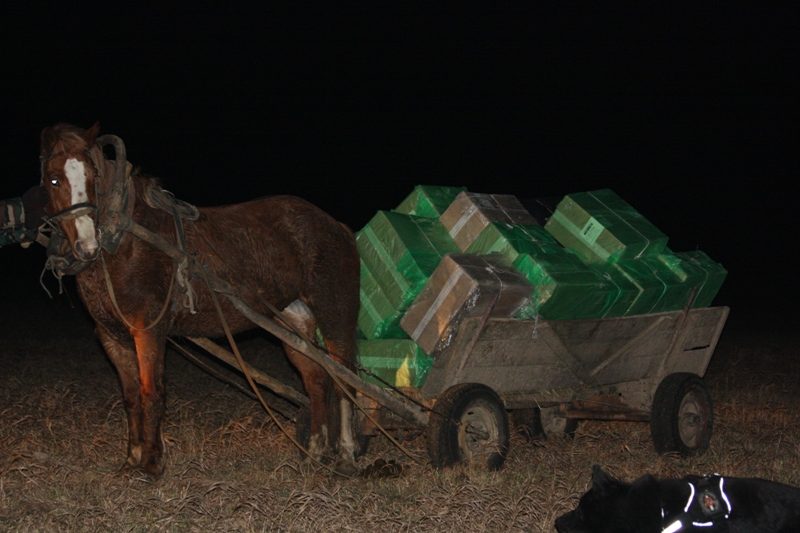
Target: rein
x,y
114,303
73,211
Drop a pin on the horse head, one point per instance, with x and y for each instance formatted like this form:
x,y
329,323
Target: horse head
x,y
76,176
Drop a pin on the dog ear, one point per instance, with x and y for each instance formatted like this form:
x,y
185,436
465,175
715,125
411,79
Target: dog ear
x,y
601,479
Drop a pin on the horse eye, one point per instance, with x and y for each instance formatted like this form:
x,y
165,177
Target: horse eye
x,y
54,181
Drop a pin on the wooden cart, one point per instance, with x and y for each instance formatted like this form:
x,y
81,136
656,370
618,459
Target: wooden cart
x,y
547,375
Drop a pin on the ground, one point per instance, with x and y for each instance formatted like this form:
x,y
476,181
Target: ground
x,y
62,440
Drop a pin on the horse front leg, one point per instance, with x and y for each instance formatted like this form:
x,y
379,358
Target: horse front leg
x,y
150,356
123,357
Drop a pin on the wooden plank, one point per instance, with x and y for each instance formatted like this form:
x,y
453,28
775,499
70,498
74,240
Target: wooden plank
x,y
443,373
262,378
695,347
640,337
398,405
514,379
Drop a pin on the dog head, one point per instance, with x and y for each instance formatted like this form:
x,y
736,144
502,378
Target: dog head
x,y
611,505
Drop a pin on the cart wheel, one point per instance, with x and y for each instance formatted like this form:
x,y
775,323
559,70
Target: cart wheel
x,y
302,432
469,425
682,415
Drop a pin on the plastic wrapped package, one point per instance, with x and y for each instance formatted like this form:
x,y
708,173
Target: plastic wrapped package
x,y
398,253
602,228
510,240
463,285
676,291
399,362
711,276
564,288
428,201
470,213
377,317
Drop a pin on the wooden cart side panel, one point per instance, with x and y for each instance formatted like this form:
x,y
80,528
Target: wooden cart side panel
x,y
513,356
699,339
525,356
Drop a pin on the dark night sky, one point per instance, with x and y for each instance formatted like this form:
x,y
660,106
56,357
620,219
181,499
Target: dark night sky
x,y
691,116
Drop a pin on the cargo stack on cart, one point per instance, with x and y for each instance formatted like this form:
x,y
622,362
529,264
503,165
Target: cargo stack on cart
x,y
445,253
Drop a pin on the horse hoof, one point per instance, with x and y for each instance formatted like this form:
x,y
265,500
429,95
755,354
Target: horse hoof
x,y
345,467
154,470
147,472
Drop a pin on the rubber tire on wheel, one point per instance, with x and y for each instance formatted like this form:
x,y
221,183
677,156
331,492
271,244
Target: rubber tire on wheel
x,y
469,425
682,415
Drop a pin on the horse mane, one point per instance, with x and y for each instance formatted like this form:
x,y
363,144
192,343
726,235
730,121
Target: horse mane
x,y
62,138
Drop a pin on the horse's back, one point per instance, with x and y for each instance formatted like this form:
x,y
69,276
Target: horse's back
x,y
286,222
282,248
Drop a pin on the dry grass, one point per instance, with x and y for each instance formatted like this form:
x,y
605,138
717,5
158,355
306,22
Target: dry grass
x,y
62,438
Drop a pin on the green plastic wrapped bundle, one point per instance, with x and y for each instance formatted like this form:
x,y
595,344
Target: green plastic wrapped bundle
x,y
428,201
709,273
625,291
463,285
676,290
649,287
377,318
470,213
602,228
564,287
399,362
510,240
399,252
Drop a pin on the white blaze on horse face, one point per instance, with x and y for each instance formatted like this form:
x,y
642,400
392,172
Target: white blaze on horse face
x,y
76,175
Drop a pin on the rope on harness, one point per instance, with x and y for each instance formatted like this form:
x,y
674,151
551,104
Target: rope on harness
x,y
243,365
164,200
287,324
117,310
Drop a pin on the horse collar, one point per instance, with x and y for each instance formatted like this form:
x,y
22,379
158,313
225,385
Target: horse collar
x,y
707,506
115,201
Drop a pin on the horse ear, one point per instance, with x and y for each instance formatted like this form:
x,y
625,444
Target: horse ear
x,y
90,136
47,138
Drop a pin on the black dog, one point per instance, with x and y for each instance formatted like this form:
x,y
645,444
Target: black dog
x,y
707,504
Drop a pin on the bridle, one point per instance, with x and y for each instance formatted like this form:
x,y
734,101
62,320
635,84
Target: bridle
x,y
112,211
73,211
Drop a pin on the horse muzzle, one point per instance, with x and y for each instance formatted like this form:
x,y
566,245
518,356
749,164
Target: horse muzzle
x,y
85,245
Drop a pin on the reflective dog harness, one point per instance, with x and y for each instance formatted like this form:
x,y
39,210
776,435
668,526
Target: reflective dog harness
x,y
707,506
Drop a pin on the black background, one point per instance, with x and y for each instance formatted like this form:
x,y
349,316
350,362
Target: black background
x,y
690,115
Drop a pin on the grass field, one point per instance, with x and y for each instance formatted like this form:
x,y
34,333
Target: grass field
x,y
63,429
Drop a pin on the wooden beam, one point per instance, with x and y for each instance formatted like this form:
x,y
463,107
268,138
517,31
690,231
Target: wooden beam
x,y
262,378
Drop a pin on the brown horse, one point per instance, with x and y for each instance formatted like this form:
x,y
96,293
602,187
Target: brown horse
x,y
280,250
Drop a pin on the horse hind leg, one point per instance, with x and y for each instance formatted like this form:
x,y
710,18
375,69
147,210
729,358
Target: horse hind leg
x,y
315,379
347,446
